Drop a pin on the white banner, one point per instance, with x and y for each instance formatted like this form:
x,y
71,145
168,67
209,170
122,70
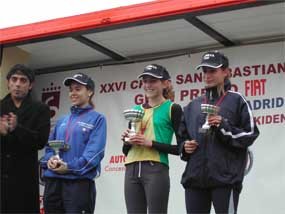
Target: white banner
x,y
258,71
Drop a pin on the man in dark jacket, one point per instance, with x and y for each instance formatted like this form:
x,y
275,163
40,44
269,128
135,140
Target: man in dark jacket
x,y
215,146
25,126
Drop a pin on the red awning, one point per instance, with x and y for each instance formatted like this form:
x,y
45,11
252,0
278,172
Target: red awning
x,y
133,13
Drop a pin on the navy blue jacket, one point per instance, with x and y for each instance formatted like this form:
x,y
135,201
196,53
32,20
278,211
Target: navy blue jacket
x,y
220,159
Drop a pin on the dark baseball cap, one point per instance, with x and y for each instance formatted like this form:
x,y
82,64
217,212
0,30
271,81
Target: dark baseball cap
x,y
82,79
22,70
214,59
156,71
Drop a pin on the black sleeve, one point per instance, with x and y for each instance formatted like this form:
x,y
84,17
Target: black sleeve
x,y
176,113
242,135
166,148
38,137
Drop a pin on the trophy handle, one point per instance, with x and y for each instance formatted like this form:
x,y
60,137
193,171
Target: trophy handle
x,y
206,125
132,131
133,128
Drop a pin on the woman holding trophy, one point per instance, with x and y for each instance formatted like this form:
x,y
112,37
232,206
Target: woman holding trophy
x,y
216,131
147,182
75,150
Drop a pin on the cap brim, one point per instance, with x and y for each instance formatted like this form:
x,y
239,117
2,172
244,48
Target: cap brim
x,y
149,74
67,81
209,65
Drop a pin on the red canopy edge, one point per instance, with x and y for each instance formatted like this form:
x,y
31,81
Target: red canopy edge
x,y
104,18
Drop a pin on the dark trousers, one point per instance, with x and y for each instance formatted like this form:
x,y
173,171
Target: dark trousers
x,y
69,196
224,199
19,196
146,187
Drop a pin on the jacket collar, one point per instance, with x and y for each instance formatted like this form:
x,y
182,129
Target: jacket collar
x,y
212,93
9,100
79,110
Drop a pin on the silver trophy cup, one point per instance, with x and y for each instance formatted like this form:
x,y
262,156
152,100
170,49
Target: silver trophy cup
x,y
133,116
58,145
208,110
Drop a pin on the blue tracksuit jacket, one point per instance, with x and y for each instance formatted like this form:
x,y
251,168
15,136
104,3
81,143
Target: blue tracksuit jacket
x,y
84,130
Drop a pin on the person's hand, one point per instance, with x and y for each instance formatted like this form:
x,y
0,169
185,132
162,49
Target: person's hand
x,y
125,134
62,168
214,120
4,126
139,139
12,121
190,146
53,162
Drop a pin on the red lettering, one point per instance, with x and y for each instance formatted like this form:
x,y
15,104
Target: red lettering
x,y
255,87
247,87
271,69
112,159
268,119
179,79
183,94
191,94
246,71
136,84
120,86
117,159
103,88
188,78
140,99
255,67
237,72
281,67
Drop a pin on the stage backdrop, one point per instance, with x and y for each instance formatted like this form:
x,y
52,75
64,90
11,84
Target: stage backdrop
x,y
258,71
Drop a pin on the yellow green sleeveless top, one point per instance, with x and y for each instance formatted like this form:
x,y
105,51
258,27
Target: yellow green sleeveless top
x,y
157,126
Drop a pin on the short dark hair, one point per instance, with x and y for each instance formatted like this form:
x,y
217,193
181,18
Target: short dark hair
x,y
21,69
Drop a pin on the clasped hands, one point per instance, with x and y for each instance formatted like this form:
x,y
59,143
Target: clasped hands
x,y
57,165
137,139
8,123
